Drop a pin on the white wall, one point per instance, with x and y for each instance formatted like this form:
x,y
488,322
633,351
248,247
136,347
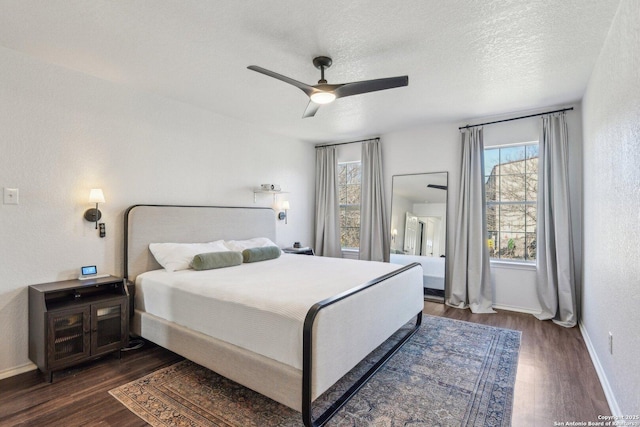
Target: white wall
x,y
611,297
349,153
62,133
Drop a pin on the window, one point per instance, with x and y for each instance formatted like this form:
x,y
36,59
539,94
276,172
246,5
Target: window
x,y
511,186
349,198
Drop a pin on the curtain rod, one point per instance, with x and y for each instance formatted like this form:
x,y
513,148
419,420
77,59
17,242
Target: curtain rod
x,y
516,118
344,143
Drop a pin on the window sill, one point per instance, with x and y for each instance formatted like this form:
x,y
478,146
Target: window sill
x,y
515,265
350,253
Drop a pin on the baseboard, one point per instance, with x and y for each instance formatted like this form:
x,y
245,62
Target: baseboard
x,y
17,370
608,392
516,309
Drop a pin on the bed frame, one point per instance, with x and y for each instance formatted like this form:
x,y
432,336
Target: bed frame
x,y
144,224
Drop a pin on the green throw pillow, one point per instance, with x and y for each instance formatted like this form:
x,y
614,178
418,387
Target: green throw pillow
x,y
211,260
260,254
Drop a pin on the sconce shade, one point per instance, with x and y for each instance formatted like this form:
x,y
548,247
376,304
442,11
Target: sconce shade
x,y
285,207
96,196
93,215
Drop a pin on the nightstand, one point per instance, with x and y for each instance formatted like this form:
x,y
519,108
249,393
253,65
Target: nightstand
x,y
75,320
299,251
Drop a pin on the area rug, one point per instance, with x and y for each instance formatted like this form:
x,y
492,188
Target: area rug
x,y
450,373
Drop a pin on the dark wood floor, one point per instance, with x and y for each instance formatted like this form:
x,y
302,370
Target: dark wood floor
x,y
556,381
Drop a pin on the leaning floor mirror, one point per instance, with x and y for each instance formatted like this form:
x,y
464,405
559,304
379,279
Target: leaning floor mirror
x,y
419,227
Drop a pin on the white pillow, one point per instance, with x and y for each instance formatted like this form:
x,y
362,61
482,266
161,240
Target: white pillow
x,y
241,245
178,256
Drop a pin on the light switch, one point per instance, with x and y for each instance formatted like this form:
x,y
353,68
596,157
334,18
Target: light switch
x,y
10,196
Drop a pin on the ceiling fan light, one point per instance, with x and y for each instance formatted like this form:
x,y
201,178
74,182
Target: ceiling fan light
x,y
323,97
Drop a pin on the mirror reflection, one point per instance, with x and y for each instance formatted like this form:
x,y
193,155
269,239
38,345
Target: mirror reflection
x,y
419,227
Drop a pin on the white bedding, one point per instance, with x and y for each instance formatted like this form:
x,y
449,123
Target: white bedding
x,y
257,306
432,267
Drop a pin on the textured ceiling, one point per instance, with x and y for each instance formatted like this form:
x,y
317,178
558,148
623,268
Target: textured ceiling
x,y
415,188
464,59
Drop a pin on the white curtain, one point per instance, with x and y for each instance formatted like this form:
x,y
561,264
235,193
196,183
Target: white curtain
x,y
374,241
555,274
470,278
327,208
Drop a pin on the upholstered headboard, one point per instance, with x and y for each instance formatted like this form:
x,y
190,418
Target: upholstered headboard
x,y
144,224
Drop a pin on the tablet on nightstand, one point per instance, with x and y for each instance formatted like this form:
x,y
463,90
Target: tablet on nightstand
x,y
90,272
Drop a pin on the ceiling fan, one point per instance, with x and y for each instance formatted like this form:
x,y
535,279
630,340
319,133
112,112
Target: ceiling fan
x,y
324,93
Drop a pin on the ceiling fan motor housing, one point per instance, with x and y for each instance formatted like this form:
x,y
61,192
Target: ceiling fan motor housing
x,y
322,62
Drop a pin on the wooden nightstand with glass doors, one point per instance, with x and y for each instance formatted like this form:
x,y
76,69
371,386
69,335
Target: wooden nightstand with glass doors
x,y
75,320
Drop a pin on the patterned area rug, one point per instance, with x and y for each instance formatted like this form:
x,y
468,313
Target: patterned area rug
x,y
450,373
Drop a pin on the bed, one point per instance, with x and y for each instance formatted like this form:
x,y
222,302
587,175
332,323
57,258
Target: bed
x,y
432,268
288,349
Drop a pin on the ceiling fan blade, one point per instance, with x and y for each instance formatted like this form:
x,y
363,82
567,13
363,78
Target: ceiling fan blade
x,y
366,86
439,187
327,87
302,86
311,110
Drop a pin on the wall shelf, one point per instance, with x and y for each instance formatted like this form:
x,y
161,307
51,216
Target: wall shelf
x,y
257,191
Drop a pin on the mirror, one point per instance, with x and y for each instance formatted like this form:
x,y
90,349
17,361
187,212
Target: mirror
x,y
419,227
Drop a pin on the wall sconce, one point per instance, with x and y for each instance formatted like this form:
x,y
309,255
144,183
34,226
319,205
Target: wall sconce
x,y
283,215
93,215
394,233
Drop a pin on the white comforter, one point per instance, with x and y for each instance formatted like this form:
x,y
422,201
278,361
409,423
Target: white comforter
x,y
433,268
258,306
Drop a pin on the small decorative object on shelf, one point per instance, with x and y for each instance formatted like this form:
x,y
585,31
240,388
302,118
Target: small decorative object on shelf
x,y
75,320
299,250
270,187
